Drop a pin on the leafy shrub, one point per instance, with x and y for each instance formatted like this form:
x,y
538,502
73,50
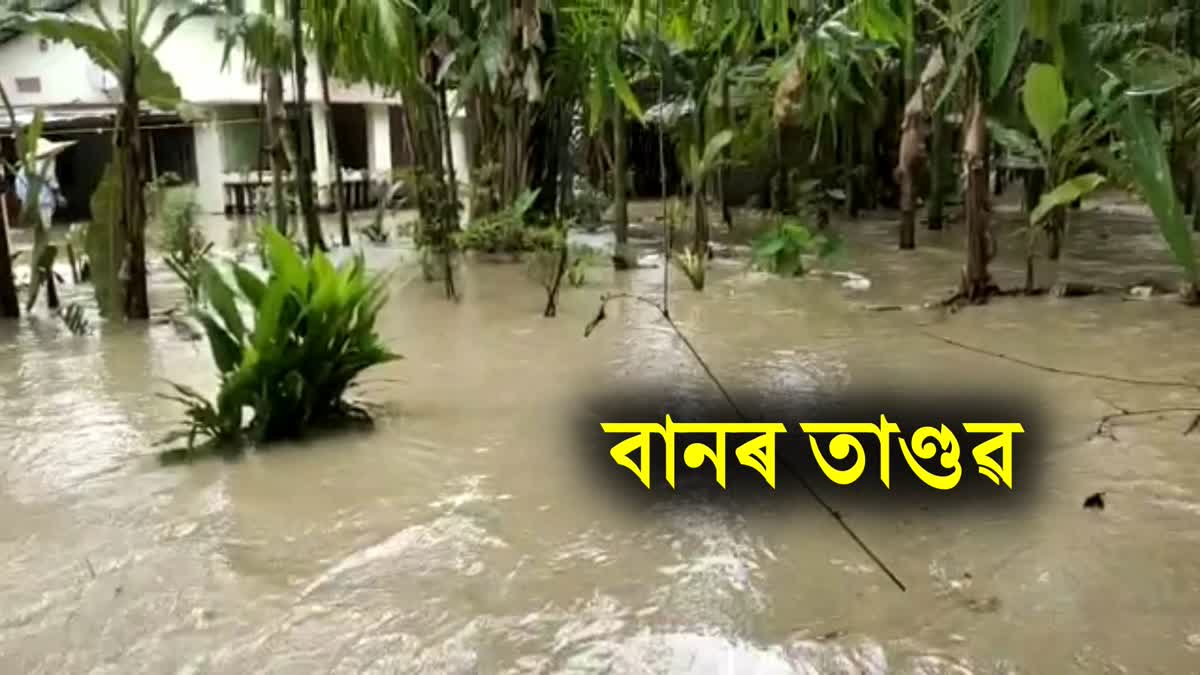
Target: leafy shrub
x,y
313,334
504,231
782,250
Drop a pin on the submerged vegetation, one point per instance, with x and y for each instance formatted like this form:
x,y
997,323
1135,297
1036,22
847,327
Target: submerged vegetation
x,y
782,250
569,107
183,244
312,333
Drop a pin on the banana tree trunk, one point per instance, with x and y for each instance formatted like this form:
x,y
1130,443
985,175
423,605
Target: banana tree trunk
x,y
277,131
339,188
451,223
303,166
10,304
699,217
1196,196
851,165
976,282
723,173
621,259
938,159
129,143
1056,225
451,175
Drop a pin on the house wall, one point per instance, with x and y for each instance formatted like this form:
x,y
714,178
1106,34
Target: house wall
x,y
194,56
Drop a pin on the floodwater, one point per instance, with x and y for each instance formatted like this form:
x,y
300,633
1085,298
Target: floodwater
x,y
460,535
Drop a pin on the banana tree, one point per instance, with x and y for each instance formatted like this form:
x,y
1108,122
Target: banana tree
x,y
699,167
124,46
344,33
597,33
415,66
983,38
1065,138
829,81
265,43
304,166
26,140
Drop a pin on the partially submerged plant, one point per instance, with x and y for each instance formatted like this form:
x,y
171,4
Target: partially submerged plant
x,y
549,261
782,249
76,252
72,316
182,239
376,233
505,231
692,266
313,333
581,257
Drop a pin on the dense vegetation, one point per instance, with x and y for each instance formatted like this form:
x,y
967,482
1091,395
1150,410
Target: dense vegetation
x,y
838,104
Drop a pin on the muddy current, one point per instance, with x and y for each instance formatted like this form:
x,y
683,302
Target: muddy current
x,y
461,536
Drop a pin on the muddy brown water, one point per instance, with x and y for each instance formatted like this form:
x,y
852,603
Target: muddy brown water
x,y
460,537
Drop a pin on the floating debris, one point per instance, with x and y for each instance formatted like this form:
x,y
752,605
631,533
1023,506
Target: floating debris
x,y
1096,501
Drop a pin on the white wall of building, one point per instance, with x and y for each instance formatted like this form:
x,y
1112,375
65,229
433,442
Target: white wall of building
x,y
194,56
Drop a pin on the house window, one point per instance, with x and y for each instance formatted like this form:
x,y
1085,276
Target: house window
x,y
29,85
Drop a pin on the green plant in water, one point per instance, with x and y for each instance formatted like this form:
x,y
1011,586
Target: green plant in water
x,y
76,252
581,257
376,233
692,266
313,333
782,249
504,231
549,262
182,239
73,317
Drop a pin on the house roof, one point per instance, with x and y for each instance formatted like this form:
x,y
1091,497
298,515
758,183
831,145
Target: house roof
x,y
7,34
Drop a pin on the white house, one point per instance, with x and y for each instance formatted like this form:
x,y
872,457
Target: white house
x,y
221,154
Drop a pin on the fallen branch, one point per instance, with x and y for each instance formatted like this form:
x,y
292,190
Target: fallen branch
x,y
1104,427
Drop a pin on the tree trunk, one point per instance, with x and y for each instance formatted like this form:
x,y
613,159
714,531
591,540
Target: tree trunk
x,y
133,212
780,197
10,304
937,177
726,153
339,188
911,138
450,219
700,218
620,259
52,302
451,174
1196,193
976,282
303,166
1056,223
1035,184
909,162
851,166
277,130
